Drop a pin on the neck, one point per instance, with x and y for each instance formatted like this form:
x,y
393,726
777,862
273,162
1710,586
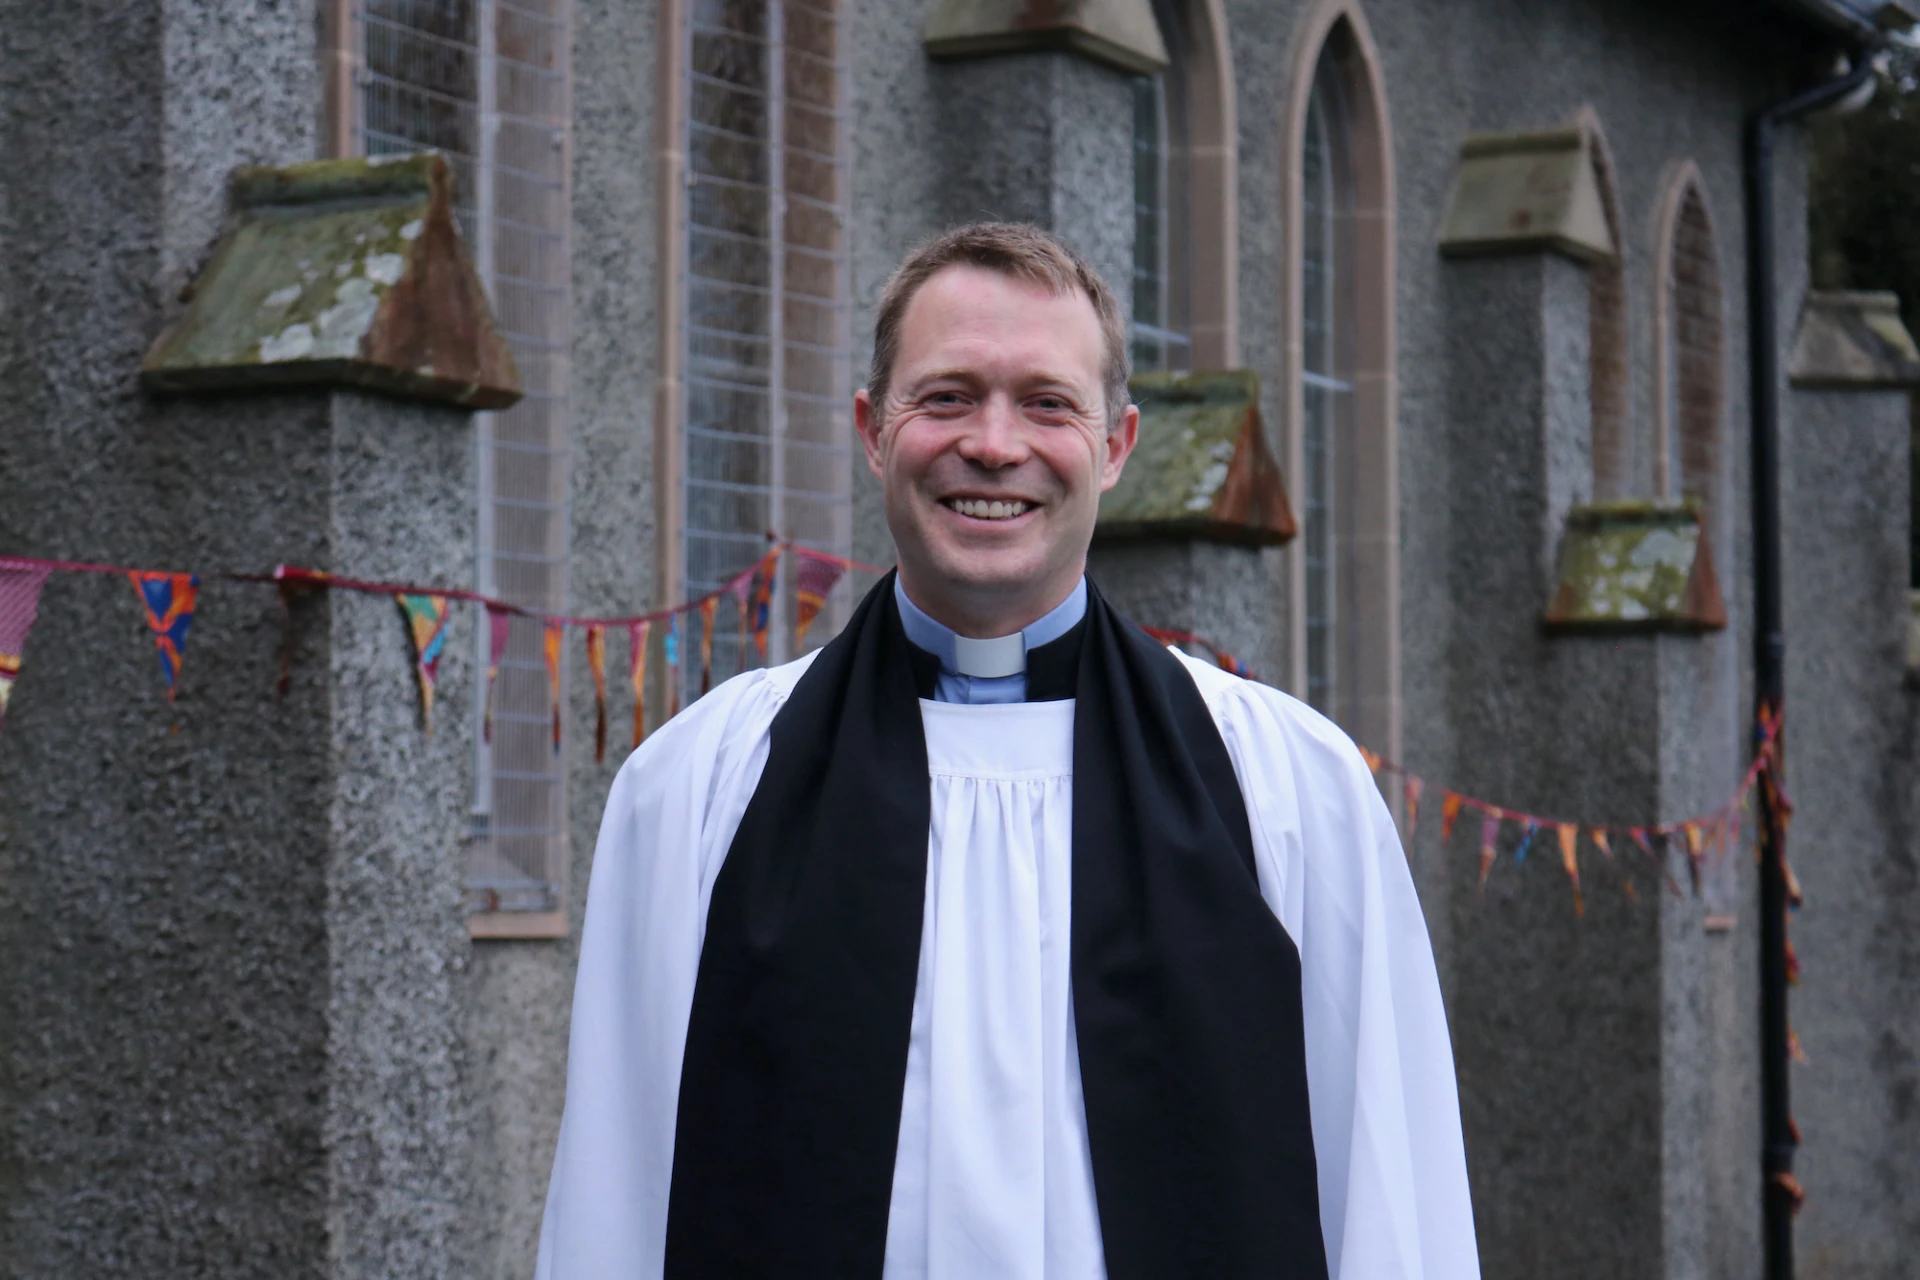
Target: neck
x,y
985,615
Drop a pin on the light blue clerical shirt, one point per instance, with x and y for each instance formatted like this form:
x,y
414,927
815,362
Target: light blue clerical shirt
x,y
1005,662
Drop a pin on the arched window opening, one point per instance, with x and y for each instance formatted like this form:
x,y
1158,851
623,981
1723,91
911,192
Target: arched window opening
x,y
1610,394
1693,387
1326,326
1162,278
1342,450
764,324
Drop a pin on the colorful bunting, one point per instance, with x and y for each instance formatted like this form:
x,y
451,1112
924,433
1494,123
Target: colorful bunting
x,y
19,600
706,644
1489,835
1372,758
1692,832
1526,841
499,628
814,579
763,600
1599,835
169,600
597,665
427,627
1411,791
672,647
551,634
637,675
1570,859
1449,811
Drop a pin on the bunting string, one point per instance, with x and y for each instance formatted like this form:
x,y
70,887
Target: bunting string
x,y
169,600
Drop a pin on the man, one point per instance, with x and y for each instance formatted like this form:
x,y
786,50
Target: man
x,y
994,940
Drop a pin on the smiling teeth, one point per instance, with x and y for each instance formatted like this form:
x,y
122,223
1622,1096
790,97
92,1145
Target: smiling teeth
x,y
981,509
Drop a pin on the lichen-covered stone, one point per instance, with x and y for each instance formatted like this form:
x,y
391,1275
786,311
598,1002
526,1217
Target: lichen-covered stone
x,y
341,272
1636,566
1202,466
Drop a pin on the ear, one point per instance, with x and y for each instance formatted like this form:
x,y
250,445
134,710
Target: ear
x,y
867,423
1120,442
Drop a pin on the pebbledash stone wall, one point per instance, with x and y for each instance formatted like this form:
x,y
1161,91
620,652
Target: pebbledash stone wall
x,y
242,1027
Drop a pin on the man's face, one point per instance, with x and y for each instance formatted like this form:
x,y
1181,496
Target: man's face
x,y
993,447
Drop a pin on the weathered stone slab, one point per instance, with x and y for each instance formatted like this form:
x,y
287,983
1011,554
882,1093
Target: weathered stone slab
x,y
1121,34
1527,192
341,272
1853,340
1202,467
1636,566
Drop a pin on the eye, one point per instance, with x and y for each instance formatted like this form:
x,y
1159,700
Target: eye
x,y
1050,404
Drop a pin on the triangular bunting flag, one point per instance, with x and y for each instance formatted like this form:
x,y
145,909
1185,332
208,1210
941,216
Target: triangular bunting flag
x,y
427,627
1412,790
707,607
763,601
1371,757
672,647
1526,841
20,585
637,675
741,589
1694,845
1599,835
1449,811
1570,859
169,600
551,634
814,579
1489,836
597,665
499,628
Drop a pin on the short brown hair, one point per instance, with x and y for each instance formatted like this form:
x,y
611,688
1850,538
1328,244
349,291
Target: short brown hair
x,y
1016,249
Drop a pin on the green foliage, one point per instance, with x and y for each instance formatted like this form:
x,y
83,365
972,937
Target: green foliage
x,y
1864,187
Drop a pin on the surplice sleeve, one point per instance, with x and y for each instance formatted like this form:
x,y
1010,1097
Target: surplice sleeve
x,y
1394,1202
669,819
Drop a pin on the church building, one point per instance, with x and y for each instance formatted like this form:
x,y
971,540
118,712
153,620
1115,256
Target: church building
x,y
1443,321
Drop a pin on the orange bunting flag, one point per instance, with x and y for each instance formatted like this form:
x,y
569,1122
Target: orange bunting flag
x,y
427,627
741,588
499,626
551,637
1489,835
706,644
1570,859
1371,757
763,601
597,664
637,675
1599,835
1412,790
1692,832
812,581
1449,811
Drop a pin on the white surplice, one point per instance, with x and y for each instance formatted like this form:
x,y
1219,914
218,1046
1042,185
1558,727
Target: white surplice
x,y
992,1177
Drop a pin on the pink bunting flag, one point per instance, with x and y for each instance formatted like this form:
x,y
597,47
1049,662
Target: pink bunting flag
x,y
20,585
597,666
1414,786
427,628
499,628
1449,811
813,581
169,600
1570,859
1489,836
637,675
551,635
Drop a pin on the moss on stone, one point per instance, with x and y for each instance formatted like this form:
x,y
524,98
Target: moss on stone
x,y
1635,566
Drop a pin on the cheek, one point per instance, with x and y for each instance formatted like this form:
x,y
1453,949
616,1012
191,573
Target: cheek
x,y
1075,455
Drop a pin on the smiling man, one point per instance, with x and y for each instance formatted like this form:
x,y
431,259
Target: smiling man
x,y
995,940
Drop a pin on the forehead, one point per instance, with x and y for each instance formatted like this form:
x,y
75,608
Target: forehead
x,y
972,319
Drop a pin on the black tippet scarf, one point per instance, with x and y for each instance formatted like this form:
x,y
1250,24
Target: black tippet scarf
x,y
1186,989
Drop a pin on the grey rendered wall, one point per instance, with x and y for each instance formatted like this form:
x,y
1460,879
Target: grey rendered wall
x,y
1850,754
227,954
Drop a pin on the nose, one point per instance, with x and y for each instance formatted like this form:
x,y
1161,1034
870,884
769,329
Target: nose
x,y
995,439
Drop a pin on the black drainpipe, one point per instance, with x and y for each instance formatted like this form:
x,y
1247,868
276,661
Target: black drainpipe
x,y
1769,658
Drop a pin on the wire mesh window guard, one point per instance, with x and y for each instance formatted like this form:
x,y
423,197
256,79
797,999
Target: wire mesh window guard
x,y
1326,315
766,327
1160,336
485,82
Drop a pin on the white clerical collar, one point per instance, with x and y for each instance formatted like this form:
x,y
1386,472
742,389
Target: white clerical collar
x,y
987,659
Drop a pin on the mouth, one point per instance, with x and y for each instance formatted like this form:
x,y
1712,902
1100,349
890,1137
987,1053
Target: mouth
x,y
989,508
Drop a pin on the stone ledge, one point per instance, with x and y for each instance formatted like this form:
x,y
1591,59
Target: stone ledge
x,y
340,273
1635,567
1524,193
1853,341
1201,468
1121,34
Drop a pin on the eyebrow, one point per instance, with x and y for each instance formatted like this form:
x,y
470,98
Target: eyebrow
x,y
1042,382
